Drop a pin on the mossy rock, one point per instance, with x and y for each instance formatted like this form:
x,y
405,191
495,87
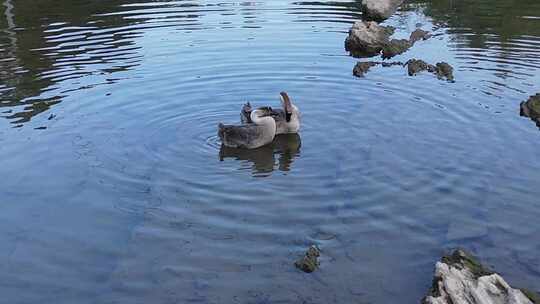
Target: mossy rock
x,y
460,258
361,68
309,262
533,296
395,47
534,105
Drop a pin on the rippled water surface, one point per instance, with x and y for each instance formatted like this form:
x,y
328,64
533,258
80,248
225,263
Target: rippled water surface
x,y
115,189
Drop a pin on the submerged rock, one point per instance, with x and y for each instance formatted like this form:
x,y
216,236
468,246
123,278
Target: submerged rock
x,y
531,108
418,35
461,279
415,66
395,47
361,68
379,10
367,38
309,262
442,69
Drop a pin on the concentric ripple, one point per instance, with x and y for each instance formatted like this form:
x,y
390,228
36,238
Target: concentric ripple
x,y
116,185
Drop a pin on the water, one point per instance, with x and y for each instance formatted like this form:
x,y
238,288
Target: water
x,y
115,190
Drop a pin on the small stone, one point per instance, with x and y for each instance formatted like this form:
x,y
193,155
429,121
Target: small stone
x,y
531,108
389,64
309,262
418,35
361,68
444,70
415,66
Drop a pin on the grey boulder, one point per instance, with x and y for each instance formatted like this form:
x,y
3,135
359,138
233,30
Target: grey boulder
x,y
379,10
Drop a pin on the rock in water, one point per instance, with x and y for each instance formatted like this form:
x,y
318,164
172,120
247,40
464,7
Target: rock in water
x,y
395,47
379,10
444,70
309,262
418,35
367,38
361,68
460,279
531,108
415,66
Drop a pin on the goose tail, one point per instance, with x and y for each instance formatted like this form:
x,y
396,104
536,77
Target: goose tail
x,y
221,131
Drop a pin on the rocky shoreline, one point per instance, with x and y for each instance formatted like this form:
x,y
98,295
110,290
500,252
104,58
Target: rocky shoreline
x,y
367,38
459,278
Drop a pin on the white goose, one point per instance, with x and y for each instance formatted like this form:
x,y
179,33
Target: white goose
x,y
261,131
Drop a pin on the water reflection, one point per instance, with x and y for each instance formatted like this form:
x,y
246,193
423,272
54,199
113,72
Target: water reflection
x,y
48,48
501,34
482,20
262,161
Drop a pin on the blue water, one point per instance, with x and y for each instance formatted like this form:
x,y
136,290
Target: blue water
x,y
115,190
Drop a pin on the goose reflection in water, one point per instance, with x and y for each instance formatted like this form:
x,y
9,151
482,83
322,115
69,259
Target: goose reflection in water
x,y
263,160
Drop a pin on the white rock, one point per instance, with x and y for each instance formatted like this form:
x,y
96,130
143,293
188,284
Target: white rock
x,y
456,285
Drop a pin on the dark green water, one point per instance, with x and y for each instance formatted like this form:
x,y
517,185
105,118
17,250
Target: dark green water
x,y
114,188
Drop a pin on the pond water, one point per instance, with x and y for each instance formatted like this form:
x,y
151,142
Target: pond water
x,y
115,190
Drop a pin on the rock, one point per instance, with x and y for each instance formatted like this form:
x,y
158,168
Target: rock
x,y
367,38
533,296
416,66
361,68
395,47
531,108
461,279
418,35
379,10
309,262
389,64
399,46
444,70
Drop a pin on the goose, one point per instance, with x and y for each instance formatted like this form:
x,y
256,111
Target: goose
x,y
287,119
253,135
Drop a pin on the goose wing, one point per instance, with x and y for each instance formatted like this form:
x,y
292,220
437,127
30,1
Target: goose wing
x,y
239,136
